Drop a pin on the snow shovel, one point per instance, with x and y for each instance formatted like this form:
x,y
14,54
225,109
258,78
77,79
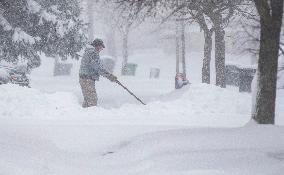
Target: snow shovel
x,y
118,82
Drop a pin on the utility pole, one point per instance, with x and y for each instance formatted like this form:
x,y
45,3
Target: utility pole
x,y
180,78
177,47
183,48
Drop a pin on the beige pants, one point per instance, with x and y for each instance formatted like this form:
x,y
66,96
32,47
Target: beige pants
x,y
89,92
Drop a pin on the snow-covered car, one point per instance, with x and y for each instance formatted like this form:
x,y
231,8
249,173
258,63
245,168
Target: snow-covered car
x,y
14,75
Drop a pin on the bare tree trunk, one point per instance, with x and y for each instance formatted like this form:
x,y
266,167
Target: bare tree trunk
x,y
270,26
207,57
90,12
220,53
207,48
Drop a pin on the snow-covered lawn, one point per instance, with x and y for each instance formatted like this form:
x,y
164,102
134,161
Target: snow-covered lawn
x,y
200,129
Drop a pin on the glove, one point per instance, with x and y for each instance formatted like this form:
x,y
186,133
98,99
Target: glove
x,y
112,78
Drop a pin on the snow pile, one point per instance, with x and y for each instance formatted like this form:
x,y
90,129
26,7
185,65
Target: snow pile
x,y
26,153
23,155
195,105
44,129
198,104
21,102
247,150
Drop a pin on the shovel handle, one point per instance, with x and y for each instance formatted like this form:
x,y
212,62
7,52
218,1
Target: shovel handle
x,y
119,83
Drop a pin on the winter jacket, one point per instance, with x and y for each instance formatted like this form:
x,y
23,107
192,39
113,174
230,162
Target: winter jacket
x,y
91,66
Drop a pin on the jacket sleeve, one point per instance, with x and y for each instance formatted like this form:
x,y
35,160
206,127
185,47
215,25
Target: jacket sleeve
x,y
102,71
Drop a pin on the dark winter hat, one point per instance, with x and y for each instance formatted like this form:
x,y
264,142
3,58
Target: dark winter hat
x,y
98,42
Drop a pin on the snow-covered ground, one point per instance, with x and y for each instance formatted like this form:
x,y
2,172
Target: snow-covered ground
x,y
200,129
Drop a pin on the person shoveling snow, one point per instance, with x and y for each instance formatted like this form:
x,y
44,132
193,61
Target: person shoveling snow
x,y
90,71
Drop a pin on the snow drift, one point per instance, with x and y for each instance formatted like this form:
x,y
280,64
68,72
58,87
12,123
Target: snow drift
x,y
198,104
246,150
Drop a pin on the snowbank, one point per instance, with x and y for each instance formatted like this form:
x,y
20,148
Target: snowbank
x,y
247,150
21,102
198,105
26,153
47,131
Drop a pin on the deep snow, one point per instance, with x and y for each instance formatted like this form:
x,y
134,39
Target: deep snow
x,y
200,129
39,149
